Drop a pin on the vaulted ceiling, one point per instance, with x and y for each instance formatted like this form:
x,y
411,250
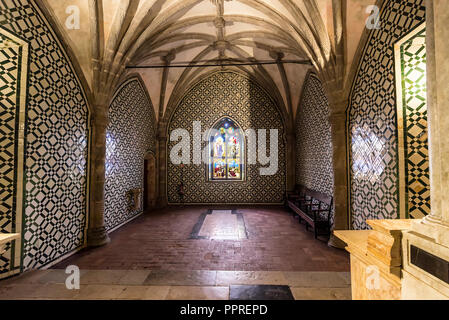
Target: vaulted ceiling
x,y
114,34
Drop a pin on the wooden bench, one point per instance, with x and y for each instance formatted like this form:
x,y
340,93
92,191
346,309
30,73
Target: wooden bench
x,y
298,195
314,208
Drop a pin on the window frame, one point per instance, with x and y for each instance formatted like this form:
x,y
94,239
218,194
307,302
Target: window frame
x,y
210,145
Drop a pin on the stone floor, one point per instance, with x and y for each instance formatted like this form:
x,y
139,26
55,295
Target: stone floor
x,y
234,253
171,285
222,225
161,240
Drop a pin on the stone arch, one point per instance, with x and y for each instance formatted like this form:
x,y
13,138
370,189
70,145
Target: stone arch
x,y
67,44
135,76
190,83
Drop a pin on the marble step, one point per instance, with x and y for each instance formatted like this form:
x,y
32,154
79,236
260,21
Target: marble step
x,y
171,285
187,278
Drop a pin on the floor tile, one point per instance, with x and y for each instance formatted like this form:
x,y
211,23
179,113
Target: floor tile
x,y
250,277
321,293
318,279
260,292
99,292
106,277
144,293
181,278
198,293
134,277
20,291
56,291
57,276
29,277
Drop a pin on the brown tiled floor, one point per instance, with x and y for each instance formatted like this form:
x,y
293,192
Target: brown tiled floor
x,y
160,241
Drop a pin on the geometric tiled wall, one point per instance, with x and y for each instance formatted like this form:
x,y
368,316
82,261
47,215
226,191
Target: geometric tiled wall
x,y
13,64
226,94
412,111
130,135
56,141
373,117
314,167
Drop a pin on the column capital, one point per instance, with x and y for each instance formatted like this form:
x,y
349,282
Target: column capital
x,y
277,55
169,57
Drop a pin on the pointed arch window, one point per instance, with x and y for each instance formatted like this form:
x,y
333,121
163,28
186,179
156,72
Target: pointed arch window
x,y
226,149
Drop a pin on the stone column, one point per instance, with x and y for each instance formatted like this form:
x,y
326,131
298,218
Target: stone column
x,y
438,121
96,233
162,170
338,130
427,244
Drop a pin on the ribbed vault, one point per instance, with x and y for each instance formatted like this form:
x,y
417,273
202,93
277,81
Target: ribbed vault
x,y
196,32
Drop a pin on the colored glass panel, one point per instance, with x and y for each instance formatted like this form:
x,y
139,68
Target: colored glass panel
x,y
226,151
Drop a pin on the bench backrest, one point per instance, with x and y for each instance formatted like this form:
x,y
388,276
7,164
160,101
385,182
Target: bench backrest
x,y
322,197
300,189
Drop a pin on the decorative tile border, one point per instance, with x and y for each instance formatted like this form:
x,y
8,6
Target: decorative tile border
x,y
372,127
414,182
13,75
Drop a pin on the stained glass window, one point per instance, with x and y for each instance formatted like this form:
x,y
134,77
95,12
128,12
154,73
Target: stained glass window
x,y
226,151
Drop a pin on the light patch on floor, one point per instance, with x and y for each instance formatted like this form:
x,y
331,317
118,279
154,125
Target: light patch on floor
x,y
222,225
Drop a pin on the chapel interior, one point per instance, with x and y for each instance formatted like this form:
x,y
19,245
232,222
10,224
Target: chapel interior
x,y
224,149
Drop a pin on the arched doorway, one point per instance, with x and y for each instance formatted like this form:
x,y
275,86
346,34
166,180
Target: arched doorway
x,y
149,193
